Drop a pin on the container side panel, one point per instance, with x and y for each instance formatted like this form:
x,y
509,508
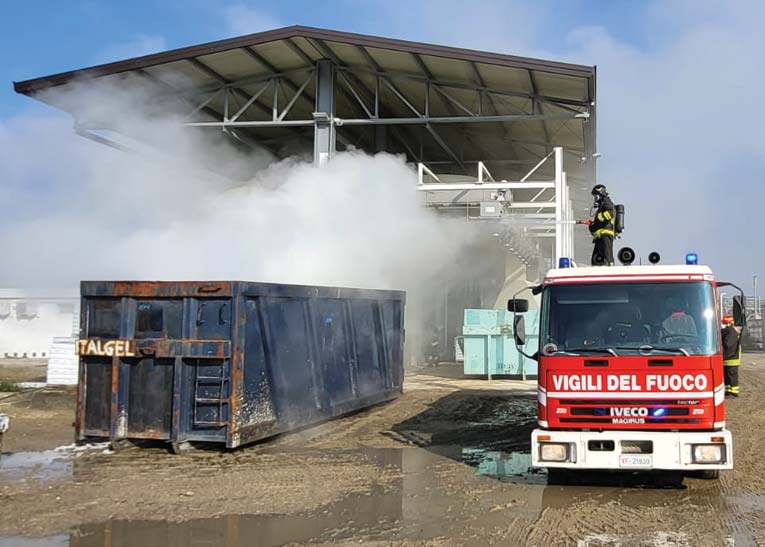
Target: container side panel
x,y
290,357
332,339
368,338
393,328
195,370
98,395
150,397
213,319
257,406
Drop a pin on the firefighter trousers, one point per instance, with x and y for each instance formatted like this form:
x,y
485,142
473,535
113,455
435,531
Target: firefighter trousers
x,y
603,251
731,378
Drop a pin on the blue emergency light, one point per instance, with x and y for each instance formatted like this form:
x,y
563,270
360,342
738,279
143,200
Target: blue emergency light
x,y
659,412
691,259
564,262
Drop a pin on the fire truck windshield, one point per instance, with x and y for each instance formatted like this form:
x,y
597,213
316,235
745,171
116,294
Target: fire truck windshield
x,y
629,318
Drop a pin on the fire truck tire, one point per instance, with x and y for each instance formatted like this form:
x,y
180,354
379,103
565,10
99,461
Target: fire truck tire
x,y
710,474
558,476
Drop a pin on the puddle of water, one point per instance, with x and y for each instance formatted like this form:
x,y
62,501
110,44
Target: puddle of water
x,y
432,497
512,467
18,541
368,514
47,465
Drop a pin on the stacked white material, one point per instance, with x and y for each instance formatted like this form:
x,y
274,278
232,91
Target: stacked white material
x,y
459,353
29,318
62,362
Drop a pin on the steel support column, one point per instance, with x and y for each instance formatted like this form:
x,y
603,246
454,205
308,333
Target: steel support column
x,y
591,131
558,151
568,228
324,138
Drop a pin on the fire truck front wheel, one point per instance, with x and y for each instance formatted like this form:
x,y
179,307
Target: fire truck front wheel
x,y
710,474
557,476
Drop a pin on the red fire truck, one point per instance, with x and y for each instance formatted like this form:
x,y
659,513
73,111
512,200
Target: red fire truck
x,y
630,369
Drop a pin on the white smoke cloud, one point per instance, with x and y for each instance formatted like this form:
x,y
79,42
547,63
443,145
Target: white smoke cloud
x,y
85,211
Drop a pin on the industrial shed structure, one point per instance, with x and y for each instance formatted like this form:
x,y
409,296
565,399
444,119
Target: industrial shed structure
x,y
504,140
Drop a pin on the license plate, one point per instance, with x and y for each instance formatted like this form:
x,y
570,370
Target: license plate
x,y
635,460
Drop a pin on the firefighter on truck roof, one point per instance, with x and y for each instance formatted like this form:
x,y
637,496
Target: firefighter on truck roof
x,y
731,340
602,227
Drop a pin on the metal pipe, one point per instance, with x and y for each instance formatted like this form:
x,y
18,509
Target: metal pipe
x,y
486,186
424,120
283,123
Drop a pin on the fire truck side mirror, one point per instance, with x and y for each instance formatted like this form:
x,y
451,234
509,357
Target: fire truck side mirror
x,y
517,305
519,330
739,316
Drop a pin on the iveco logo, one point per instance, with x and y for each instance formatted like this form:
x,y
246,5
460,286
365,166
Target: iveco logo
x,y
634,411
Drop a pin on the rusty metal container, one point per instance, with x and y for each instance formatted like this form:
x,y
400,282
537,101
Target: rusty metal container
x,y
231,362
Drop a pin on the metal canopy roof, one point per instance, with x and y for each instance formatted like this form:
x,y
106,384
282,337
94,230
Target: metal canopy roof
x,y
538,99
445,107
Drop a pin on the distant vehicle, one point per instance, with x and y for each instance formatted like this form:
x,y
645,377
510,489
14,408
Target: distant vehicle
x,y
630,369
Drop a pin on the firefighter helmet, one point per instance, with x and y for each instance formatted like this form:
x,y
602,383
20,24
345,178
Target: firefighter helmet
x,y
599,190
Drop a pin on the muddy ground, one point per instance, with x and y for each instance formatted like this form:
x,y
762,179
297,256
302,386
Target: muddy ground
x,y
446,464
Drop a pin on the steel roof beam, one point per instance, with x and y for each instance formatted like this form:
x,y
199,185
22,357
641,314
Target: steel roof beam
x,y
566,149
497,161
299,51
299,91
254,123
426,120
271,68
459,186
325,50
249,100
207,110
482,83
557,101
536,104
171,90
429,75
433,133
226,82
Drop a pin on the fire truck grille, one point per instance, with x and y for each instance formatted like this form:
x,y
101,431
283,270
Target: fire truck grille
x,y
605,411
628,402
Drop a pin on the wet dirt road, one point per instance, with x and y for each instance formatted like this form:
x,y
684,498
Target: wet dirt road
x,y
447,464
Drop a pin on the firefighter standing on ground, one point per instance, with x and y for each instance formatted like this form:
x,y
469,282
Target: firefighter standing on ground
x,y
731,339
602,228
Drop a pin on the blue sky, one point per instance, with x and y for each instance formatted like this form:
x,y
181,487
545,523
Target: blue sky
x,y
41,38
680,119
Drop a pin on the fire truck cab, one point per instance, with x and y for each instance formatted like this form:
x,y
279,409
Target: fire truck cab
x,y
630,369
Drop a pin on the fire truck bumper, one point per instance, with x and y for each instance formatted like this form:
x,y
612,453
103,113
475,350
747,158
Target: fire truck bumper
x,y
632,450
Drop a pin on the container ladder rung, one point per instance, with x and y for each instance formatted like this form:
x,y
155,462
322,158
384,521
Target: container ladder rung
x,y
220,400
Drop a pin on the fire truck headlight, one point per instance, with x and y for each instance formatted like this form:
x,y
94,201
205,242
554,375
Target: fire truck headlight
x,y
708,453
554,452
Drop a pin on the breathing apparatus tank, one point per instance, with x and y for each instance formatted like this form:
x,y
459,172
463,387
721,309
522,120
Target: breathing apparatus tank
x,y
619,221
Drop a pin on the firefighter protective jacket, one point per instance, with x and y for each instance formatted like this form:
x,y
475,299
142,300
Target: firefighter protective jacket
x,y
731,341
603,222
